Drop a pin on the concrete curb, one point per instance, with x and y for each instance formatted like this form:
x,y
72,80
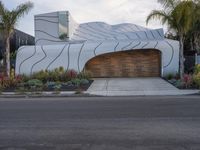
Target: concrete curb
x,y
97,94
44,94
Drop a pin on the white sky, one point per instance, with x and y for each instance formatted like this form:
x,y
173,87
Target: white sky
x,y
110,11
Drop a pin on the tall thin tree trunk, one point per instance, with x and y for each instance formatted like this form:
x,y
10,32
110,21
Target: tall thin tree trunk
x,y
181,57
8,56
191,44
196,43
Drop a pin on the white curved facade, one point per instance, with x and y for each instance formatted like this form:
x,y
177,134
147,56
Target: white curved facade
x,y
88,40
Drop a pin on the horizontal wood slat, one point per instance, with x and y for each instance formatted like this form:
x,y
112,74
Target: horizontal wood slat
x,y
134,63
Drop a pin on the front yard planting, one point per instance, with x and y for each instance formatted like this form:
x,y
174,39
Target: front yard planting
x,y
54,80
189,81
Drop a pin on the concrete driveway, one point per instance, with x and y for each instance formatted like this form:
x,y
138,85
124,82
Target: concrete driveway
x,y
134,86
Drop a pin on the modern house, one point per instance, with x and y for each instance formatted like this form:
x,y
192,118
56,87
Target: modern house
x,y
122,50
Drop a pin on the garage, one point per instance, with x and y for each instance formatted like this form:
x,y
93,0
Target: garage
x,y
132,63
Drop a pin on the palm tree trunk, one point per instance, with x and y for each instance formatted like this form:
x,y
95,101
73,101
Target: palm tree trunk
x,y
8,56
192,44
196,43
181,57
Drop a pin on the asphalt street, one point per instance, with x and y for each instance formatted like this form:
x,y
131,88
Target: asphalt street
x,y
100,123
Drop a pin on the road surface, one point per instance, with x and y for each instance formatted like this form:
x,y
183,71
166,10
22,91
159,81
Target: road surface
x,y
100,123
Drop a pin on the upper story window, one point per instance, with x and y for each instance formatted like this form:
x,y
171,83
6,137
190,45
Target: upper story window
x,y
63,25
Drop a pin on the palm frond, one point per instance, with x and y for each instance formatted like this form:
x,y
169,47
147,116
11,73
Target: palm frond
x,y
2,9
20,11
2,13
169,4
183,14
10,18
160,15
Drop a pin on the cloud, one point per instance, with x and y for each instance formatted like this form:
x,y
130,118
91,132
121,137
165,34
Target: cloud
x,y
110,11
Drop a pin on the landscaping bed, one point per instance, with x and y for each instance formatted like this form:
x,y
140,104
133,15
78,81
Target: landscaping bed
x,y
51,88
189,81
54,80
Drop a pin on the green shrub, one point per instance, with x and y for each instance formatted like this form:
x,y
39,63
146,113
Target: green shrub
x,y
52,76
34,83
25,78
58,74
41,75
57,87
76,81
179,84
50,84
68,83
169,76
84,75
84,81
63,36
196,78
197,69
61,70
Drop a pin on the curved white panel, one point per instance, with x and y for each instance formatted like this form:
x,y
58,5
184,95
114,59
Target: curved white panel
x,y
50,57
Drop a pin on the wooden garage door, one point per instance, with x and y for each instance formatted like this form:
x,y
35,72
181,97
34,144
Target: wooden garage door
x,y
134,63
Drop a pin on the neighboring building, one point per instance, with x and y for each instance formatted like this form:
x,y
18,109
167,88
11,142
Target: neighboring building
x,y
123,50
18,39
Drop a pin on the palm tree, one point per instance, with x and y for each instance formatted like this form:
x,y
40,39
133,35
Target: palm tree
x,y
8,21
194,33
178,16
